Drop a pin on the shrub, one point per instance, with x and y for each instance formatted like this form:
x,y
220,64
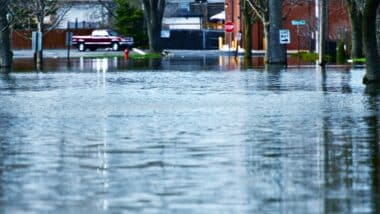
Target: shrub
x,y
341,56
306,56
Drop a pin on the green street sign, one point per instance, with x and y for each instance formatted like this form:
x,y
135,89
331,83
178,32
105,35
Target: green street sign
x,y
298,22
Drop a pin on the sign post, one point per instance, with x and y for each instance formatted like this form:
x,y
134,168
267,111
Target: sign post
x,y
36,41
238,39
37,48
69,42
229,28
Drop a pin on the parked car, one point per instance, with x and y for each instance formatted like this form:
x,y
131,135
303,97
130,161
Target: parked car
x,y
102,39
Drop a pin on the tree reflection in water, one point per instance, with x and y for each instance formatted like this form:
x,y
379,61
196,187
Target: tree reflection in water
x,y
277,140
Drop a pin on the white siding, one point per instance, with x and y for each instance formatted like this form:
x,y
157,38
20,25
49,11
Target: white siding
x,y
85,12
182,23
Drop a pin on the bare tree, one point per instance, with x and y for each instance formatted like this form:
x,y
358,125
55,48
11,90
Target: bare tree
x,y
110,8
5,47
52,11
38,11
153,14
271,16
249,18
110,5
356,26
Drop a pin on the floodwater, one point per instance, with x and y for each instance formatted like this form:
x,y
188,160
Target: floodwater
x,y
198,135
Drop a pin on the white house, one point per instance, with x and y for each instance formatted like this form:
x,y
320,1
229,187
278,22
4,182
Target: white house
x,y
86,13
190,14
179,14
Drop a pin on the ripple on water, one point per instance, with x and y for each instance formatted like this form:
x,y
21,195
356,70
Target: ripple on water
x,y
187,142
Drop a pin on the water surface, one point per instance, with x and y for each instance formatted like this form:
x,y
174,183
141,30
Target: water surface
x,y
198,135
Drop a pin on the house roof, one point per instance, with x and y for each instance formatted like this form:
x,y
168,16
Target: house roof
x,y
219,16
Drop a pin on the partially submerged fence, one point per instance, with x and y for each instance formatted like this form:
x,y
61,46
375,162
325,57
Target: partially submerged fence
x,y
175,39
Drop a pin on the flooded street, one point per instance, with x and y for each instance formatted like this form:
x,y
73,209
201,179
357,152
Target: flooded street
x,y
187,135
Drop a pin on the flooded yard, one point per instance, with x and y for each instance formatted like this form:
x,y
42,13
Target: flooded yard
x,y
187,135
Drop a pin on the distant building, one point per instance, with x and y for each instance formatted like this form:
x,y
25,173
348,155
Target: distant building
x,y
302,36
191,14
187,25
87,14
179,14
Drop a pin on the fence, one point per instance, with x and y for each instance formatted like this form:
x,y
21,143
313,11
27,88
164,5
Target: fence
x,y
55,39
178,39
83,25
192,39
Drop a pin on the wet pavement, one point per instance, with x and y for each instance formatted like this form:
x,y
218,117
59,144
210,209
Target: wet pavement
x,y
74,53
203,134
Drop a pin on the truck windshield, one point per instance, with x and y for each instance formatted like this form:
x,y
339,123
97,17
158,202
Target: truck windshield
x,y
113,33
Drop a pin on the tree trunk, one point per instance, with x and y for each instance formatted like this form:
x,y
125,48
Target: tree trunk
x,y
276,51
247,32
5,42
378,29
153,13
356,25
357,37
370,42
266,39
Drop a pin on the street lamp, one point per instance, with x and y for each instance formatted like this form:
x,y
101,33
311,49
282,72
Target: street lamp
x,y
205,13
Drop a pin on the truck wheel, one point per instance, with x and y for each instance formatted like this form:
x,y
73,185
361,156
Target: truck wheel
x,y
82,47
115,46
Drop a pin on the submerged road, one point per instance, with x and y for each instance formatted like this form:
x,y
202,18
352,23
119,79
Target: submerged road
x,y
109,136
62,53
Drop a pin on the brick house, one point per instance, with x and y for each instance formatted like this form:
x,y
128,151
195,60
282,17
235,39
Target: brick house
x,y
302,37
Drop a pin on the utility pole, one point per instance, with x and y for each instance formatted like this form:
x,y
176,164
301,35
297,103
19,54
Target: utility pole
x,y
316,4
276,50
323,11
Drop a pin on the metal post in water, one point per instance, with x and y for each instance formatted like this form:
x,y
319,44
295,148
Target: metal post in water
x,y
69,36
37,48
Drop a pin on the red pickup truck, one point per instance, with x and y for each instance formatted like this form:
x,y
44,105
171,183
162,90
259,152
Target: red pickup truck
x,y
102,39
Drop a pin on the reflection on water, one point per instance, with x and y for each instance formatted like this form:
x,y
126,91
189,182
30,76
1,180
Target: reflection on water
x,y
186,136
222,62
